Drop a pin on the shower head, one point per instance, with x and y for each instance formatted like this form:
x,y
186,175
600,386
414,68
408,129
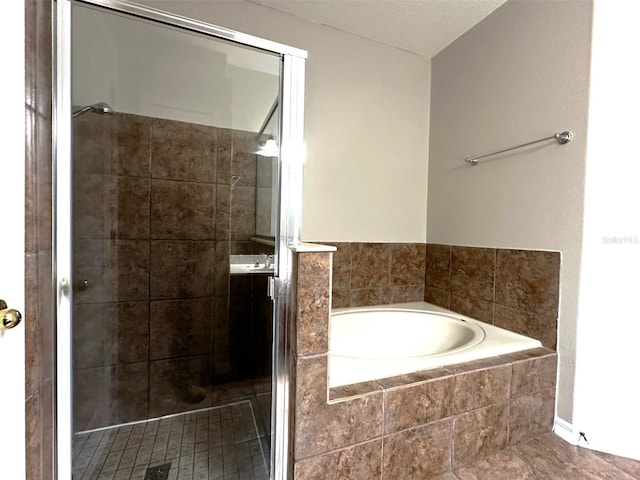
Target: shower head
x,y
100,108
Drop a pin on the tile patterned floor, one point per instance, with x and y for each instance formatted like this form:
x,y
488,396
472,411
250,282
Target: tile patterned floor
x,y
548,458
220,443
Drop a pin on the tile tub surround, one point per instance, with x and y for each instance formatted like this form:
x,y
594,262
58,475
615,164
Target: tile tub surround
x,y
418,425
155,221
514,289
377,273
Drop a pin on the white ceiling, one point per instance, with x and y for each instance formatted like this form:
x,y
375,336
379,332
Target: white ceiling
x,y
420,26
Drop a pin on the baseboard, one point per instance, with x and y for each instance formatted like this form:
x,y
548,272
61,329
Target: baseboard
x,y
565,431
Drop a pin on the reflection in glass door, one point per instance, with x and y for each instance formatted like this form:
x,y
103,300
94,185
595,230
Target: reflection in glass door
x,y
172,344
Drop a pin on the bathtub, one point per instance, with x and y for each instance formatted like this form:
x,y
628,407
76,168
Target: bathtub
x,y
369,343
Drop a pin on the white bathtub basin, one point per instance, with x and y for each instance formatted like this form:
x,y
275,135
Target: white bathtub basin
x,y
377,342
382,333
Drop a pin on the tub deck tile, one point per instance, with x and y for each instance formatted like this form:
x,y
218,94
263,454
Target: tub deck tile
x,y
347,392
401,381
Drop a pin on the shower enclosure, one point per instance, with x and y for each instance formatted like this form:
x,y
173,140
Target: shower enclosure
x,y
178,168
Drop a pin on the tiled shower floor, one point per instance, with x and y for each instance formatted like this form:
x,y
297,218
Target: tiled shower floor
x,y
224,443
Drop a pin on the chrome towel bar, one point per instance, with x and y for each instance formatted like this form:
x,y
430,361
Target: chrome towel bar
x,y
561,138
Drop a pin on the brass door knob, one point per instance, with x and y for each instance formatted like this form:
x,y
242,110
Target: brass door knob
x,y
9,317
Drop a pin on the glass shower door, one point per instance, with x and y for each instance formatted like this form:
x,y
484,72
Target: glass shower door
x,y
172,352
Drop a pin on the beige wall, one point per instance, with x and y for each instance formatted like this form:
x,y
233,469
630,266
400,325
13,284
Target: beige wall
x,y
519,75
366,125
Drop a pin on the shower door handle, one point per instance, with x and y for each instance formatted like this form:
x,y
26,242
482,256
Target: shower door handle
x,y
9,317
271,288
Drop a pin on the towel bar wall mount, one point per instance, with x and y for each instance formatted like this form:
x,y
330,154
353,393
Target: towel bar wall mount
x,y
562,138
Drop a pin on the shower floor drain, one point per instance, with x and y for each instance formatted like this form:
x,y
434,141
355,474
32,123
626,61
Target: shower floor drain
x,y
161,472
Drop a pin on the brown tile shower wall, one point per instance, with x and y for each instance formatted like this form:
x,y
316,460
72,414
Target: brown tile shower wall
x,y
419,425
154,201
514,289
377,273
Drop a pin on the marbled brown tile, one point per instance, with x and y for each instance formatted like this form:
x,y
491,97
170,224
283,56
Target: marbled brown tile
x,y
111,395
31,329
341,298
480,432
544,457
130,259
235,212
551,457
438,266
223,153
180,328
472,307
114,270
364,297
130,144
130,390
183,151
182,210
33,434
528,280
527,354
341,265
531,415
181,269
408,263
91,398
127,207
179,385
221,268
419,404
91,149
39,337
445,476
359,462
221,359
243,212
89,208
407,293
244,160
472,272
421,452
244,167
320,427
498,466
314,270
475,365
353,390
628,465
370,265
436,296
413,377
223,212
482,387
534,375
541,326
110,333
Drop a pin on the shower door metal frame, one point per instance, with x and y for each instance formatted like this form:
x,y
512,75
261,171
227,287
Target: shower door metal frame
x,y
290,208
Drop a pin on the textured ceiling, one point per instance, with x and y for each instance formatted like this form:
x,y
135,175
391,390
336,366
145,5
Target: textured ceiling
x,y
421,26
